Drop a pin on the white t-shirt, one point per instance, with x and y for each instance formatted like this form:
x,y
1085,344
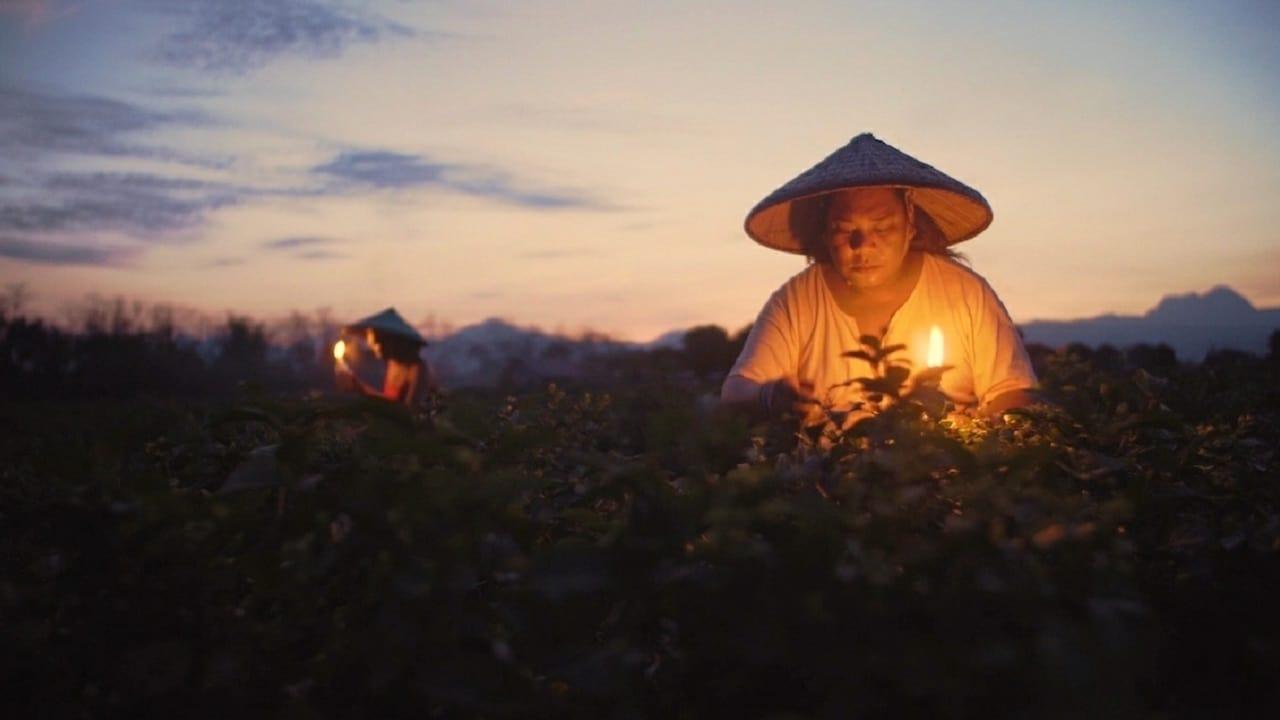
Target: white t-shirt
x,y
802,333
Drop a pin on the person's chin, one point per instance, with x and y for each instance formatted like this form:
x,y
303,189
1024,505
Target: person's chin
x,y
864,279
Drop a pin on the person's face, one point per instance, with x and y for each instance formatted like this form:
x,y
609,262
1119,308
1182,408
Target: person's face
x,y
868,235
371,340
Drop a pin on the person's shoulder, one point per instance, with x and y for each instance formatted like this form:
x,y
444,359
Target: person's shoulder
x,y
809,274
800,286
958,275
799,295
804,282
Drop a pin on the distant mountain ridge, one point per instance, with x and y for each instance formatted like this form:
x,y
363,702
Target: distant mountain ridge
x,y
1193,324
495,351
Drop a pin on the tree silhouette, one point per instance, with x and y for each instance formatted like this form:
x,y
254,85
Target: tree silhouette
x,y
1157,358
708,349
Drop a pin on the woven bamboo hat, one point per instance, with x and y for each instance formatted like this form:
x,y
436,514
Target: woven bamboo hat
x,y
387,321
780,220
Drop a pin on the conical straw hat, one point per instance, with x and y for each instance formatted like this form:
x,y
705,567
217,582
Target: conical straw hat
x,y
387,321
959,211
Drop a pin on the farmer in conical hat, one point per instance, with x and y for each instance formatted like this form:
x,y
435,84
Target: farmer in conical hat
x,y
400,345
877,227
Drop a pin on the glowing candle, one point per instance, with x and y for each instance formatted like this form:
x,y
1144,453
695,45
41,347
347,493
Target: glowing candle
x,y
339,350
935,347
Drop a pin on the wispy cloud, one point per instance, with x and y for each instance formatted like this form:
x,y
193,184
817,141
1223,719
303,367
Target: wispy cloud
x,y
289,243
34,124
319,255
383,170
50,214
305,247
238,36
175,91
136,204
61,253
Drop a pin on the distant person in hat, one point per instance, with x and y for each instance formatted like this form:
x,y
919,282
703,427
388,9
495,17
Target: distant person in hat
x,y
408,375
877,227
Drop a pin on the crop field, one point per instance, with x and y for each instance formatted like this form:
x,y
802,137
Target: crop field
x,y
629,551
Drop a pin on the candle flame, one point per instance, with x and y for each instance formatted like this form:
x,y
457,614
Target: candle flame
x,y
935,347
339,350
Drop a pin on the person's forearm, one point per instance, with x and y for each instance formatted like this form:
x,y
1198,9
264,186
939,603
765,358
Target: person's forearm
x,y
368,390
1007,401
742,395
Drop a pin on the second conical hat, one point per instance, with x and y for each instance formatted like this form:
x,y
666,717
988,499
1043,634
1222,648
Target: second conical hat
x,y
959,211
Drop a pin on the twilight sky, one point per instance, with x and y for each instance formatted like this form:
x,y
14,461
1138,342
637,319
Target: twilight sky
x,y
588,163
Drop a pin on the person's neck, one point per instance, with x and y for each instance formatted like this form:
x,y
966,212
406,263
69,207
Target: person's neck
x,y
891,295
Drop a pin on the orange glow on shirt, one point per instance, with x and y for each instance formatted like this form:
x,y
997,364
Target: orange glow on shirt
x,y
935,347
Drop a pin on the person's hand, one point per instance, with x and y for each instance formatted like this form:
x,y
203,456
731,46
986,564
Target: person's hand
x,y
790,396
344,378
959,418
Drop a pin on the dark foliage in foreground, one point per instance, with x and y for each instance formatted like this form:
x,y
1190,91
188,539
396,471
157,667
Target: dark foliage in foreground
x,y
578,554
116,357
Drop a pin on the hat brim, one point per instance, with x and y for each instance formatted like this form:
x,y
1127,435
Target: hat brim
x,y
388,321
778,221
779,225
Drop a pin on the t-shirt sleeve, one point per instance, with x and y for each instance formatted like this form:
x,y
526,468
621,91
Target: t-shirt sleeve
x,y
772,350
1000,362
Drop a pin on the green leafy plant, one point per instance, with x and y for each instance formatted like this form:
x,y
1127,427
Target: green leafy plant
x,y
624,551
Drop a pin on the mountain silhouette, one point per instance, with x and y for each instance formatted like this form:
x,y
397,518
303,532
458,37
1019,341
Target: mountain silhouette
x,y
1193,324
496,351
1221,305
